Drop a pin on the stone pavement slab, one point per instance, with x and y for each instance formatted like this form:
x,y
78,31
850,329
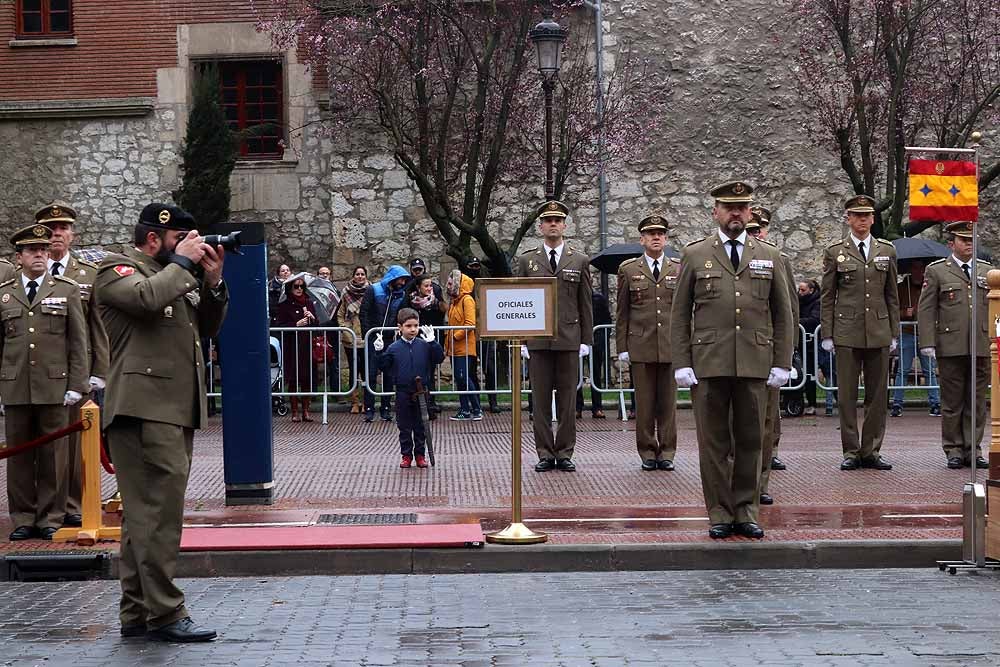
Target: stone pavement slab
x,y
738,617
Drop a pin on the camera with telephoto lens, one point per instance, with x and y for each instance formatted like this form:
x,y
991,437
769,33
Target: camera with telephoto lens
x,y
231,241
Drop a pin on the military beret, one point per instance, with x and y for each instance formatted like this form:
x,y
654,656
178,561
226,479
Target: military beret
x,y
553,209
35,234
763,213
860,204
963,229
653,223
57,211
166,216
733,192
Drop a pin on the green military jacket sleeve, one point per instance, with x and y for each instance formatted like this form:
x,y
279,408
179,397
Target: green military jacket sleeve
x,y
7,271
574,296
44,343
859,302
85,273
944,311
642,313
155,317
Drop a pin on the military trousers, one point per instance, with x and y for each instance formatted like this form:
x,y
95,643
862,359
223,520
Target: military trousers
x,y
551,370
36,479
954,374
152,462
655,411
872,363
729,414
772,434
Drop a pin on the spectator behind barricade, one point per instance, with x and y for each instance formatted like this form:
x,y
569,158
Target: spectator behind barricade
x,y
460,345
408,358
602,315
379,307
809,317
424,296
296,348
348,316
909,287
275,287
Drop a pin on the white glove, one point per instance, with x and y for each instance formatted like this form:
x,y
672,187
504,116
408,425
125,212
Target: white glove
x,y
427,333
584,350
378,344
96,383
685,377
623,357
893,344
778,377
827,344
72,398
524,352
929,352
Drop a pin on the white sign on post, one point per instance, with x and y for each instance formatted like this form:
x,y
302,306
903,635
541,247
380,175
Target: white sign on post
x,y
515,308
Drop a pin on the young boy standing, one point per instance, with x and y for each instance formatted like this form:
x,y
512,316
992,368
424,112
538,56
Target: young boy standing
x,y
408,358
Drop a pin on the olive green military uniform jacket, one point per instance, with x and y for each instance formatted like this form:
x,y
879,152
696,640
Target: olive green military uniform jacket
x,y
574,296
859,304
944,311
7,270
84,273
44,343
155,317
727,323
642,315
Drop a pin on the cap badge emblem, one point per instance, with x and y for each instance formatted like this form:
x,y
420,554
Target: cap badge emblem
x,y
56,211
708,264
168,311
39,231
552,207
738,189
841,258
5,298
164,217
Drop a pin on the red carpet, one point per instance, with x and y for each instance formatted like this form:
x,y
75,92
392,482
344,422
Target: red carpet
x,y
332,537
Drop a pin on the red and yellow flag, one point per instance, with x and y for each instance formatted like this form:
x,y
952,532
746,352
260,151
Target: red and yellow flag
x,y
944,190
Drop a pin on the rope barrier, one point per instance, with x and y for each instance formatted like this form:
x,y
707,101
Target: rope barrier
x,y
105,460
81,425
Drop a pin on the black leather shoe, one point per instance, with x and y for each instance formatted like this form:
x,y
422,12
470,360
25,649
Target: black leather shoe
x,y
649,464
896,410
566,465
850,464
22,533
665,464
73,520
749,529
369,416
720,531
766,499
47,533
183,630
878,463
981,462
385,414
545,465
777,464
954,462
134,630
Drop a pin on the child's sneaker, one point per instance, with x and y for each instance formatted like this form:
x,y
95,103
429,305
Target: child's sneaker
x,y
406,461
461,417
477,416
421,461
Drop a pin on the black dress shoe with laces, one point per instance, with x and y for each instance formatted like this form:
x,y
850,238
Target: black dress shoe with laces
x,y
720,531
766,499
777,464
954,462
877,462
981,462
649,464
47,533
749,529
369,416
134,630
665,464
850,464
22,533
182,631
73,520
545,465
566,465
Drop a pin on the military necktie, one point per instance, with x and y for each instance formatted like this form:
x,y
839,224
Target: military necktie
x,y
32,291
55,268
734,256
552,260
861,249
656,269
968,276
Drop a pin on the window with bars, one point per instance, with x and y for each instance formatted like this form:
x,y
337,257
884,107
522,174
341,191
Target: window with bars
x,y
252,100
43,18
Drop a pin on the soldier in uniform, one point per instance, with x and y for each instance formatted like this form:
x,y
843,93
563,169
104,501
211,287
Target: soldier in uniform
x,y
43,370
158,301
60,217
944,314
860,317
7,270
555,364
731,337
758,227
642,331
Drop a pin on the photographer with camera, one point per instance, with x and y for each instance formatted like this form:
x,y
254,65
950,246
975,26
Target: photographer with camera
x,y
157,301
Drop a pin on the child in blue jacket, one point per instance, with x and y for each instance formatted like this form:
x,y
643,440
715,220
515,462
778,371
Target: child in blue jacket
x,y
409,357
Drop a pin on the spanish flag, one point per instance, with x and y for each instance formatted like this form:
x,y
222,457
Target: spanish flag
x,y
943,190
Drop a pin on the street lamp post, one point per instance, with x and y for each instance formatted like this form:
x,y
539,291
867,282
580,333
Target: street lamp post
x,y
548,38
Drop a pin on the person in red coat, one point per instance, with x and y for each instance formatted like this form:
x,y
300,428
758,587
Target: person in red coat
x,y
296,348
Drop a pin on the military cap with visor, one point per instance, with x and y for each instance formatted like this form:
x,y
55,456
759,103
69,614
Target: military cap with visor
x,y
167,216
733,192
962,228
763,213
36,234
755,221
653,223
553,209
57,211
860,204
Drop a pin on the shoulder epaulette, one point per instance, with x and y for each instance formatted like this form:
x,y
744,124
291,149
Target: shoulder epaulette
x,y
691,243
675,260
529,250
937,261
87,262
113,260
631,260
7,282
984,262
67,280
830,245
6,261
770,243
884,241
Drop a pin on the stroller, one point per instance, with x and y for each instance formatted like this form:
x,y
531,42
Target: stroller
x,y
278,403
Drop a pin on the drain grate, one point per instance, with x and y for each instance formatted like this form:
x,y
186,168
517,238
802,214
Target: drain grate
x,y
56,566
367,519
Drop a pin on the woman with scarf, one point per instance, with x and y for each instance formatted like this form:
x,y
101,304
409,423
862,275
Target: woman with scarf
x,y
296,348
460,345
348,315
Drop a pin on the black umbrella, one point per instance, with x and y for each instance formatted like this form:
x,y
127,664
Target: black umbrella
x,y
917,248
609,259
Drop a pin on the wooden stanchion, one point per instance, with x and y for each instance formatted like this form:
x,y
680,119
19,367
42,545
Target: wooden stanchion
x,y
92,529
993,475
